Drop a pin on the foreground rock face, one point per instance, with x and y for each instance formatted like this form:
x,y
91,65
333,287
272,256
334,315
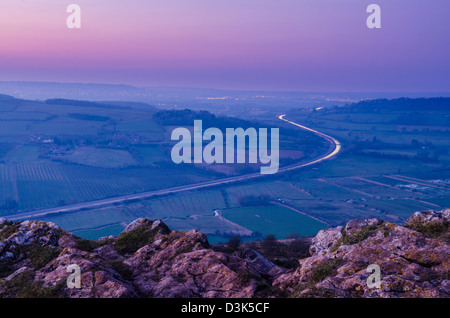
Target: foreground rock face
x,y
149,260
411,264
146,260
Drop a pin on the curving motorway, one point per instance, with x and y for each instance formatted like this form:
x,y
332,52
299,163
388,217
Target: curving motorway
x,y
335,146
334,149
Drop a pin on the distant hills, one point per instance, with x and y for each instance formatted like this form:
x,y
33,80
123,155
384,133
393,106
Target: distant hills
x,y
6,97
404,104
71,102
244,103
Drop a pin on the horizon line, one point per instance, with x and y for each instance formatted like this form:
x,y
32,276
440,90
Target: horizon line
x,y
228,89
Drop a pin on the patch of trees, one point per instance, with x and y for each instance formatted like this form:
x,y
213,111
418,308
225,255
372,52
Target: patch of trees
x,y
428,156
234,242
376,143
384,155
89,117
6,97
74,102
384,105
255,200
186,117
403,104
284,253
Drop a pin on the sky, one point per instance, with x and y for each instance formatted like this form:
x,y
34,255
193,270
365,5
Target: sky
x,y
292,45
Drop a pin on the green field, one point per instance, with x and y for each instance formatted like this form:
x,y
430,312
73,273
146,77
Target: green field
x,y
441,201
401,207
195,203
107,230
149,155
275,190
326,190
183,211
97,157
41,186
91,220
25,154
276,220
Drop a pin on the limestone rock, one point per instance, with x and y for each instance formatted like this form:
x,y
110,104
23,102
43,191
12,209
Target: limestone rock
x,y
324,240
411,264
149,260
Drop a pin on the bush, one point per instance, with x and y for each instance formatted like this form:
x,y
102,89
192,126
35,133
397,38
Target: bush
x,y
86,245
324,270
41,256
8,229
24,286
436,230
284,253
234,242
130,242
120,267
356,237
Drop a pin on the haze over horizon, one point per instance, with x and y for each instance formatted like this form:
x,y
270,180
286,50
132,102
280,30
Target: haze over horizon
x,y
206,87
289,45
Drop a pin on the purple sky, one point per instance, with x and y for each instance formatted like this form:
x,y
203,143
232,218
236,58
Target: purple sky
x,y
303,45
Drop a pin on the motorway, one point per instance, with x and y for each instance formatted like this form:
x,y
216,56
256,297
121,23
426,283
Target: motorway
x,y
334,149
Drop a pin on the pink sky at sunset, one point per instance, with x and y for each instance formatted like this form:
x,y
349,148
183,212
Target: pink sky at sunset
x,y
249,44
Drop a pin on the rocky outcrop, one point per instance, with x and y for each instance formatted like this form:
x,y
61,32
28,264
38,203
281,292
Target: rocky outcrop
x,y
149,260
146,260
410,263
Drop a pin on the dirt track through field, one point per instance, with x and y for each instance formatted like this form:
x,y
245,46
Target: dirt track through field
x,y
416,181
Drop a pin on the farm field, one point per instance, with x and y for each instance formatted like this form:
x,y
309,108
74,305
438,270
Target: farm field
x,y
92,223
149,155
23,154
337,213
400,206
104,158
440,201
102,231
275,190
38,186
185,211
54,155
323,199
332,200
277,220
